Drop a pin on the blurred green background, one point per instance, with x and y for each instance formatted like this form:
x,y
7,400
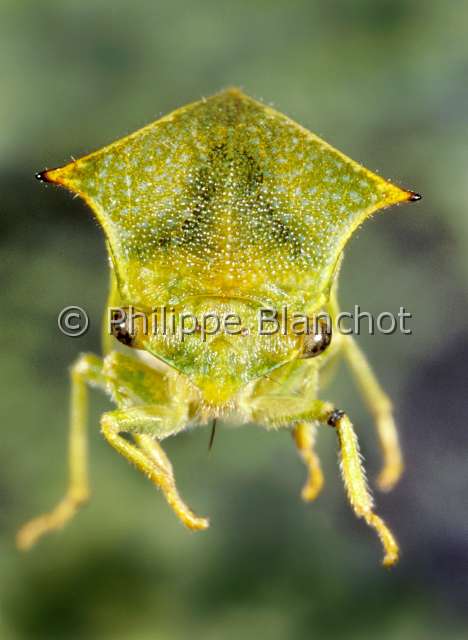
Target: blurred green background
x,y
386,82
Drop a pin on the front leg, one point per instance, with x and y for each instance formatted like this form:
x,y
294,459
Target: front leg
x,y
151,406
280,412
148,424
355,480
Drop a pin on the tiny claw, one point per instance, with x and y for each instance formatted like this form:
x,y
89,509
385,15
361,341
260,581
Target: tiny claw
x,y
413,196
24,541
390,559
195,523
310,492
389,477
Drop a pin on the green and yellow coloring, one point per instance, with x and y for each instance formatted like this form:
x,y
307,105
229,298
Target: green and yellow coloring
x,y
224,207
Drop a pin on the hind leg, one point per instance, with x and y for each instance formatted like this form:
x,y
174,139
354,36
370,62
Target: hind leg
x,y
381,408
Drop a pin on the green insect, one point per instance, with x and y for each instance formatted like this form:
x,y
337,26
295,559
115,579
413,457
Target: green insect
x,y
223,209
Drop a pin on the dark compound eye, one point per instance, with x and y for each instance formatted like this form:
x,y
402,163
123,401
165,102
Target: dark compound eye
x,y
315,343
121,332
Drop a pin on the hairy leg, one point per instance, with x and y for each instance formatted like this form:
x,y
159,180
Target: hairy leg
x,y
381,408
141,393
356,485
281,413
147,424
355,480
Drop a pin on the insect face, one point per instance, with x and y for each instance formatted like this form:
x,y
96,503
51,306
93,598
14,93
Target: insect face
x,y
219,344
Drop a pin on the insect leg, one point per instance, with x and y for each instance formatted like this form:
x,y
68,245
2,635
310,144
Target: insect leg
x,y
146,424
291,411
304,435
381,408
86,370
355,480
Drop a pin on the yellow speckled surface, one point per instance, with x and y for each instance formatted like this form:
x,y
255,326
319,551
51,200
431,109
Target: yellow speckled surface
x,y
226,197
